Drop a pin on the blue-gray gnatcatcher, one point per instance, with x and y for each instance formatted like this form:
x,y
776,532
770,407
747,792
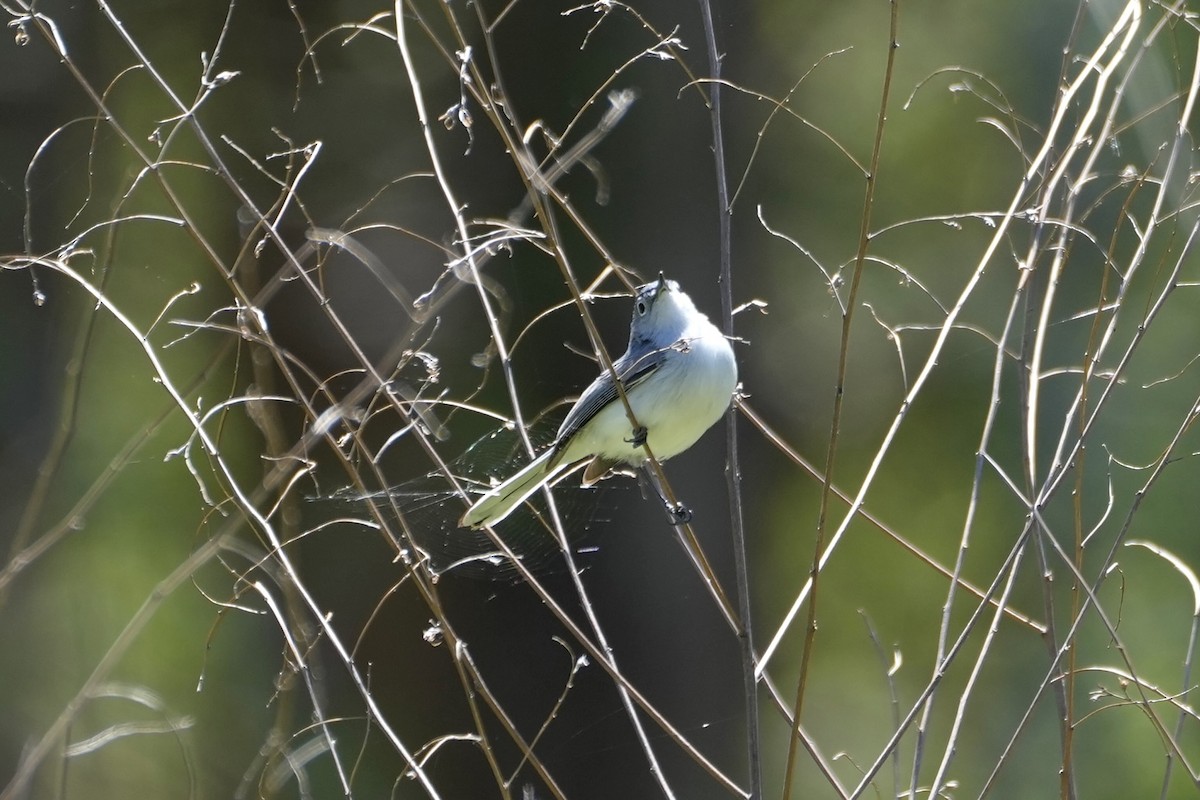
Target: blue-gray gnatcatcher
x,y
679,374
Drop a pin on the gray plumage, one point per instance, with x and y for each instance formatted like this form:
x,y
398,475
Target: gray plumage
x,y
679,374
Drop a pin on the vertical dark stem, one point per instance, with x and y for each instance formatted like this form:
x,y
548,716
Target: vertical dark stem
x,y
733,475
851,302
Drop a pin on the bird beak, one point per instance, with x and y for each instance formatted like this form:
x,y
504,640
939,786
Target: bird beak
x,y
663,286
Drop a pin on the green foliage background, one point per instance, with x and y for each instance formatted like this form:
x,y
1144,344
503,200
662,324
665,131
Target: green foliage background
x,y
945,178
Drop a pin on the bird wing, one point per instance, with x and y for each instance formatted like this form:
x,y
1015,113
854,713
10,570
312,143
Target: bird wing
x,y
603,391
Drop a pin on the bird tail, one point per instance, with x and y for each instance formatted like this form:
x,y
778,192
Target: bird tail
x,y
498,502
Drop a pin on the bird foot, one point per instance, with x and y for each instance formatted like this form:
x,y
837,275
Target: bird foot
x,y
639,436
680,514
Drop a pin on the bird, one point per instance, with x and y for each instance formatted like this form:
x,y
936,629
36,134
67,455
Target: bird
x,y
679,374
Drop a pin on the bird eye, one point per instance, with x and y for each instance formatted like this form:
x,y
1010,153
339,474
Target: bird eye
x,y
641,307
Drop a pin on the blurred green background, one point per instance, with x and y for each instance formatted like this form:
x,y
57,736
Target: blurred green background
x,y
118,517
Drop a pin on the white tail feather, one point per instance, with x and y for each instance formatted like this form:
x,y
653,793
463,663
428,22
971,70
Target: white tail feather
x,y
499,502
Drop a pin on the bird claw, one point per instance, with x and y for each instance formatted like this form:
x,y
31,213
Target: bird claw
x,y
680,514
639,436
